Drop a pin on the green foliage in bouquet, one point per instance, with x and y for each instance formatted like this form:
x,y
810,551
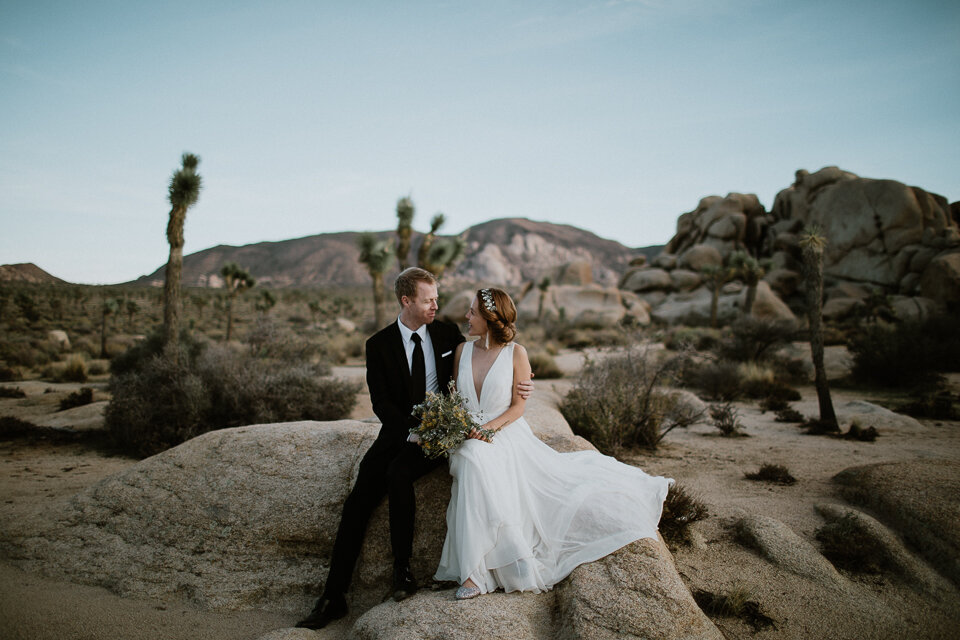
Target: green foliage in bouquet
x,y
444,423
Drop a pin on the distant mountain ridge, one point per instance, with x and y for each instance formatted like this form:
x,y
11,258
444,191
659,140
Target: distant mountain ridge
x,y
507,251
27,272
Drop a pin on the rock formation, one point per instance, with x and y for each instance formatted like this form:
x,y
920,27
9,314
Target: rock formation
x,y
244,518
882,237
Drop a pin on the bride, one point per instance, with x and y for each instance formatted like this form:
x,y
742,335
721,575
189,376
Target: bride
x,y
521,515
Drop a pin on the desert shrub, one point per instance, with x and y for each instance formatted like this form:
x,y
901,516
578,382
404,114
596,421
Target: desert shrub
x,y
789,415
544,366
857,431
74,371
9,374
789,370
158,402
269,340
698,338
938,405
18,353
776,473
754,339
726,418
818,427
86,347
583,338
11,427
12,392
615,403
718,380
772,403
340,347
910,354
681,508
848,546
97,368
77,399
739,603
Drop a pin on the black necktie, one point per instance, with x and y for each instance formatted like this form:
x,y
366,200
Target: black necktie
x,y
418,372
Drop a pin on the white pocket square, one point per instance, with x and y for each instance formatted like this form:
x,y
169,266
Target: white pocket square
x,y
444,355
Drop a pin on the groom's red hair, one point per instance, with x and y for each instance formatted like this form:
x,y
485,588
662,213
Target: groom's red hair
x,y
407,281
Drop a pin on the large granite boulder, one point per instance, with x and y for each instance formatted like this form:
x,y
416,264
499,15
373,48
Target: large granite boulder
x,y
245,518
877,231
725,224
920,500
588,306
643,279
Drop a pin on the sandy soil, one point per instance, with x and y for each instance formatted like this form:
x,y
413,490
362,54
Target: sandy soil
x,y
34,473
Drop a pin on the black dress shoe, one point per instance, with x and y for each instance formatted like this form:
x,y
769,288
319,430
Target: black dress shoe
x,y
404,585
326,611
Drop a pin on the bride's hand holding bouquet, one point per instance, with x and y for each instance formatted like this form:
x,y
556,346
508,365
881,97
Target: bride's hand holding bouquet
x,y
444,423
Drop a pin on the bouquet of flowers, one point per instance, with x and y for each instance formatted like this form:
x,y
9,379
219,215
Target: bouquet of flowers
x,y
444,423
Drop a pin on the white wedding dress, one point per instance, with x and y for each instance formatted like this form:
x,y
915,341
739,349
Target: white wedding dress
x,y
521,515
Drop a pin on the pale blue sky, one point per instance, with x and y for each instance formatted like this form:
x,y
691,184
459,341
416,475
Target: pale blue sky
x,y
314,117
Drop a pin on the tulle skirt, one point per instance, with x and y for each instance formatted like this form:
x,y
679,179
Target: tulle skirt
x,y
522,516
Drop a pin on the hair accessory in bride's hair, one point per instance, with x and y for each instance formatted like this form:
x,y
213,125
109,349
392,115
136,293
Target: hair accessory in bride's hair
x,y
488,302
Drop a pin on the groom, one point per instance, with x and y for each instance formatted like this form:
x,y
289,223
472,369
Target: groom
x,y
404,361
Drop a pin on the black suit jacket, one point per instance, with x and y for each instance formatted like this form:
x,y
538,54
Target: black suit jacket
x,y
388,375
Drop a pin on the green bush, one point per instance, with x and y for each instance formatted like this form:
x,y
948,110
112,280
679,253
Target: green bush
x,y
12,392
158,402
616,403
908,354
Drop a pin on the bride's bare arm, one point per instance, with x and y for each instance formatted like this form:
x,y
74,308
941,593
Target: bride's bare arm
x,y
456,364
521,371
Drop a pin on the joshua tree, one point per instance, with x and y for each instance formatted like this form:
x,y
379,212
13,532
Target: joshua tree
x,y
108,308
749,269
405,212
199,301
265,301
236,279
715,276
131,307
183,193
812,244
376,255
314,307
543,285
443,254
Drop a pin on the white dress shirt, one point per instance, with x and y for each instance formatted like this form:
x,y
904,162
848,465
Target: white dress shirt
x,y
429,361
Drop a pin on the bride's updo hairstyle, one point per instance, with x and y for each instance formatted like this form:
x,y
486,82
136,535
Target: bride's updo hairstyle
x,y
498,310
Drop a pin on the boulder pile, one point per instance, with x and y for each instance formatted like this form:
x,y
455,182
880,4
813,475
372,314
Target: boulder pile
x,y
883,237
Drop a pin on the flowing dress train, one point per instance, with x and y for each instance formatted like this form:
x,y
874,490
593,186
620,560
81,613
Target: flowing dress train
x,y
523,516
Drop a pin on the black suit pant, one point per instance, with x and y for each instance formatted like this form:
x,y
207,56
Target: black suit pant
x,y
387,469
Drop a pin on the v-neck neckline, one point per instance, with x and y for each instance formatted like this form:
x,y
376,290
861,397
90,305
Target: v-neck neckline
x,y
483,381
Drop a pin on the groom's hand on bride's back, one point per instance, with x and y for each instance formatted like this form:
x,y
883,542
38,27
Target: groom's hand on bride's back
x,y
525,388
